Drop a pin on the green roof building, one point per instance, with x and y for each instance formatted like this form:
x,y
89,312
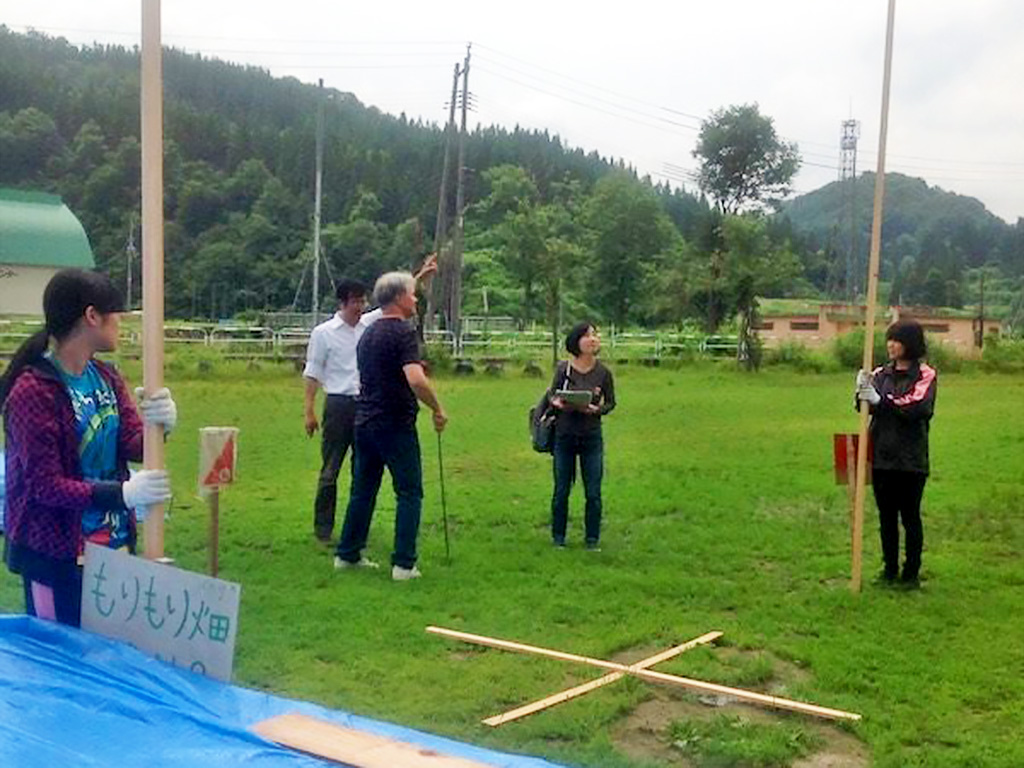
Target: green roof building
x,y
39,235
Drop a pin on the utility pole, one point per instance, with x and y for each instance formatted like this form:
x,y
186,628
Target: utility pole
x,y
441,228
316,203
455,298
981,313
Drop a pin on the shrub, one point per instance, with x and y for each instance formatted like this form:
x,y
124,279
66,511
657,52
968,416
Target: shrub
x,y
849,348
1003,355
943,357
438,358
800,358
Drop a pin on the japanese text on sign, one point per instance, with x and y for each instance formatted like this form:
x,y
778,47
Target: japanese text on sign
x,y
180,617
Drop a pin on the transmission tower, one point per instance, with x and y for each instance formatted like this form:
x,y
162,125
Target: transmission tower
x,y
848,185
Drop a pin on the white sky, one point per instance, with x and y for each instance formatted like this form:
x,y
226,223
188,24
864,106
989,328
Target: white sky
x,y
633,79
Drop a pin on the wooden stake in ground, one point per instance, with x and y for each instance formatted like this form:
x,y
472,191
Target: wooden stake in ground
x,y
750,697
213,499
218,458
593,685
152,255
869,319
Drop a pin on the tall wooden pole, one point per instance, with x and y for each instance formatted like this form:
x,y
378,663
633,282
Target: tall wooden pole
x,y
152,254
869,320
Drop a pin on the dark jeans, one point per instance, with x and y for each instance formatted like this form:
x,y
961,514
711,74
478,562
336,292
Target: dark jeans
x,y
336,438
399,451
590,450
898,496
66,583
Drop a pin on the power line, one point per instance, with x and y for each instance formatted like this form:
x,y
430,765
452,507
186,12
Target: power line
x,y
600,99
589,85
577,102
1005,170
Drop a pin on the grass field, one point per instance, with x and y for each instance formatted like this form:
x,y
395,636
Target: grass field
x,y
720,513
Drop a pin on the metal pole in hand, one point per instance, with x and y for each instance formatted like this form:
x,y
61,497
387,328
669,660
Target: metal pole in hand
x,y
444,501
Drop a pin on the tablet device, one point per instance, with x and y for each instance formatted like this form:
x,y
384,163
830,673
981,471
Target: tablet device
x,y
580,398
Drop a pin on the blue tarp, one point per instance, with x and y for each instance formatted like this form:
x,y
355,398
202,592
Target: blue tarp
x,y
68,697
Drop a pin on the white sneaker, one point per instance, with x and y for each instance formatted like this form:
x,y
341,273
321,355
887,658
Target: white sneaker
x,y
398,573
362,562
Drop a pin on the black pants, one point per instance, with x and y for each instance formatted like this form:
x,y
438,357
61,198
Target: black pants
x,y
590,450
336,438
399,451
898,496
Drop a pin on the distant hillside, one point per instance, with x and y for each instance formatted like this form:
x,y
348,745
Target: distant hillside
x,y
929,236
239,176
239,164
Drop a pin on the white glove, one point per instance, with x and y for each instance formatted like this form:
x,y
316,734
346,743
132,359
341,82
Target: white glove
x,y
146,487
863,379
159,408
868,394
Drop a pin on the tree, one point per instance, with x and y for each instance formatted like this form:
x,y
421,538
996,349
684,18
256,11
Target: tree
x,y
27,142
754,266
514,228
743,162
628,230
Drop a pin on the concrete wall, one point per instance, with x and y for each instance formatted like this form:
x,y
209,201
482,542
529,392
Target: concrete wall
x,y
21,288
832,320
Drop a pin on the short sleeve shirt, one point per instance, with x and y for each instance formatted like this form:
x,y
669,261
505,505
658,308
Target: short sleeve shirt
x,y
386,401
331,354
98,422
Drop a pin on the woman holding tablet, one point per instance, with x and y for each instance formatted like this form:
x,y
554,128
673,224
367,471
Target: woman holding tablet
x,y
583,391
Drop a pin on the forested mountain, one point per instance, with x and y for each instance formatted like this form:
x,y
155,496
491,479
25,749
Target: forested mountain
x,y
547,226
934,242
240,149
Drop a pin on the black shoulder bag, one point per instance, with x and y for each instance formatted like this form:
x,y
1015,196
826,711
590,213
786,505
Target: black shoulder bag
x,y
543,417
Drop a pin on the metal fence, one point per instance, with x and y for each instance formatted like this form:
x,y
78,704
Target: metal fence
x,y
475,342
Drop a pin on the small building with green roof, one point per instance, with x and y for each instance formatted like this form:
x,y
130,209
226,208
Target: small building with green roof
x,y
39,235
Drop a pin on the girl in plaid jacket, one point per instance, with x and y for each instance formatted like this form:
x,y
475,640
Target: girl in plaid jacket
x,y
71,428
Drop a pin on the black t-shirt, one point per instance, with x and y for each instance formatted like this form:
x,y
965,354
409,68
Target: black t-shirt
x,y
598,380
386,401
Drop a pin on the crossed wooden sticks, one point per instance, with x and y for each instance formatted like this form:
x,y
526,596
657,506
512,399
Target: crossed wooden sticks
x,y
639,669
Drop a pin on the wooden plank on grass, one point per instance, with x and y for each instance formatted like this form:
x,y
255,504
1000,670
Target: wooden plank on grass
x,y
751,697
579,690
349,746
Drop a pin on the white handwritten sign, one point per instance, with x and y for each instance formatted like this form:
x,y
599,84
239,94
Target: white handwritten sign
x,y
180,617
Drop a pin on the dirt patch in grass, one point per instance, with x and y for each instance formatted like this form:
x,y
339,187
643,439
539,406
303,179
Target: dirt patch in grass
x,y
646,733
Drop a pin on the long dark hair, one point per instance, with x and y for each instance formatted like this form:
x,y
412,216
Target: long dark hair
x,y
66,297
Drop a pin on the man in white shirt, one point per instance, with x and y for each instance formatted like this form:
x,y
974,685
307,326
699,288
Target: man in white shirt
x,y
331,364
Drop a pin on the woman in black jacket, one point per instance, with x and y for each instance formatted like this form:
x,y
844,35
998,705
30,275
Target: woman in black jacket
x,y
901,396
